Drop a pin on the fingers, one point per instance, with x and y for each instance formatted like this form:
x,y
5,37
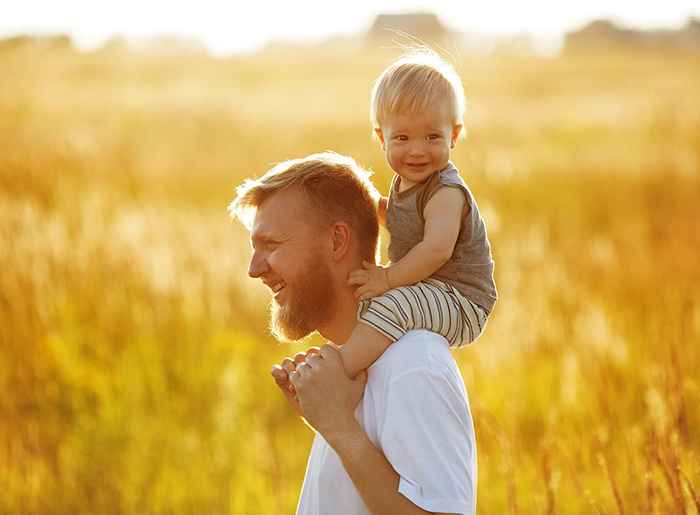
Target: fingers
x,y
280,375
314,359
301,373
313,350
290,369
364,293
332,346
358,273
358,281
289,365
330,352
303,370
294,378
358,277
291,395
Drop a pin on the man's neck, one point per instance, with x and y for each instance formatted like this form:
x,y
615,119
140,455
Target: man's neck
x,y
338,329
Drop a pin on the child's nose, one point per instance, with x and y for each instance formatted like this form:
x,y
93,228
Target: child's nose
x,y
417,148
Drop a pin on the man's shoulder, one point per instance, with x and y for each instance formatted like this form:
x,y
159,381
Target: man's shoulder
x,y
415,351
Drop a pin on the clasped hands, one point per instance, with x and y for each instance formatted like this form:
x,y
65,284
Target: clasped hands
x,y
315,385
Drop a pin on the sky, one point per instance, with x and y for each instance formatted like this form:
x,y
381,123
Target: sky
x,y
241,26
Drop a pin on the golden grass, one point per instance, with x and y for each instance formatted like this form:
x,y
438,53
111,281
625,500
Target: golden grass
x,y
134,354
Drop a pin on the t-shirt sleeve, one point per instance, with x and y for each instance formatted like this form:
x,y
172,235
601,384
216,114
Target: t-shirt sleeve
x,y
433,186
428,437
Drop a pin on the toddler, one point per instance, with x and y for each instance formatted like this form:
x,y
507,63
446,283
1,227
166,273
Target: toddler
x,y
441,273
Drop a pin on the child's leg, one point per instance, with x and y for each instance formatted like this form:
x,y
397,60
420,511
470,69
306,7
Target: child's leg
x,y
430,304
362,349
474,319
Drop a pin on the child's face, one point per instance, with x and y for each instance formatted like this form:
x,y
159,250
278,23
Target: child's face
x,y
418,144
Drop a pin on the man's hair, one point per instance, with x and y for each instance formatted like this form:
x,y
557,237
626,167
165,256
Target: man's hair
x,y
414,82
335,186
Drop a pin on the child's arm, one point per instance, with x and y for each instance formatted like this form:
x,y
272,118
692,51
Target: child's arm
x,y
443,217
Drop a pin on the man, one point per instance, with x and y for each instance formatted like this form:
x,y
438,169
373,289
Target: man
x,y
398,439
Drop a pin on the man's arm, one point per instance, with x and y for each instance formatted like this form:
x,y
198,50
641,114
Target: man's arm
x,y
372,474
328,400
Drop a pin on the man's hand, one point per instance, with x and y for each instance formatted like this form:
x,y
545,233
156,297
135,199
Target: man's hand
x,y
326,397
372,281
280,374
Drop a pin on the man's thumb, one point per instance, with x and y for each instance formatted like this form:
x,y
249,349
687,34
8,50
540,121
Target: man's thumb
x,y
361,378
359,384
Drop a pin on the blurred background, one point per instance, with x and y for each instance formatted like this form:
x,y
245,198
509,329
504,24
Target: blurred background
x,y
134,350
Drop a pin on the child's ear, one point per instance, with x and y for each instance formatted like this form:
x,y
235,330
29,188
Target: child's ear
x,y
380,137
456,130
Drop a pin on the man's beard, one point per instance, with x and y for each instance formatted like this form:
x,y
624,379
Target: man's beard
x,y
310,302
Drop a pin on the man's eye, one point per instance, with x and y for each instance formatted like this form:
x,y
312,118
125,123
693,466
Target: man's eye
x,y
269,245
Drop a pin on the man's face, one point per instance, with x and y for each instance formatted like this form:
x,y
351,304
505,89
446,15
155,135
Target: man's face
x,y
288,256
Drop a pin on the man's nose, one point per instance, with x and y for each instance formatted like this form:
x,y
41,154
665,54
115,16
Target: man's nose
x,y
258,265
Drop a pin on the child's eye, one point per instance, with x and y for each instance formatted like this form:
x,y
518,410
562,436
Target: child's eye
x,y
401,137
434,136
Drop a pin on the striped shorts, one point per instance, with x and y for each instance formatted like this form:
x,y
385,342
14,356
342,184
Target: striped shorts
x,y
430,304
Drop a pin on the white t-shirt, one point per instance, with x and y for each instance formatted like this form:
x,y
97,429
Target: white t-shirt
x,y
415,409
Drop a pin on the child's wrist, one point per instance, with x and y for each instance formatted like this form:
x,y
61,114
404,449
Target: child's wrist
x,y
387,280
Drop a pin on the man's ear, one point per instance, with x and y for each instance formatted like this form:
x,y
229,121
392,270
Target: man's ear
x,y
380,137
340,239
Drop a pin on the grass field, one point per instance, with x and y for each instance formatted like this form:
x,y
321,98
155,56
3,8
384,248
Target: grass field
x,y
134,351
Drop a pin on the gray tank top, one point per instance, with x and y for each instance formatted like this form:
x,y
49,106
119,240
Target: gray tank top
x,y
470,268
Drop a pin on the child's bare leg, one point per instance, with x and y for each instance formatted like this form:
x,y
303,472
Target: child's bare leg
x,y
362,349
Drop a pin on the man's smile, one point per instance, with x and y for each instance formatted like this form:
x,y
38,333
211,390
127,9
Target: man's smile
x,y
276,288
279,293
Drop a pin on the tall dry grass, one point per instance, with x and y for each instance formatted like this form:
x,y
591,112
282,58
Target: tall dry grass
x,y
134,351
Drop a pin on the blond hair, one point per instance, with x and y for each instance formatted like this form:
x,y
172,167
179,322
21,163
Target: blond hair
x,y
414,82
336,187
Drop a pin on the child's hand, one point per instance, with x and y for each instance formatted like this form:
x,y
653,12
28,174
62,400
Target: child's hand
x,y
372,281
